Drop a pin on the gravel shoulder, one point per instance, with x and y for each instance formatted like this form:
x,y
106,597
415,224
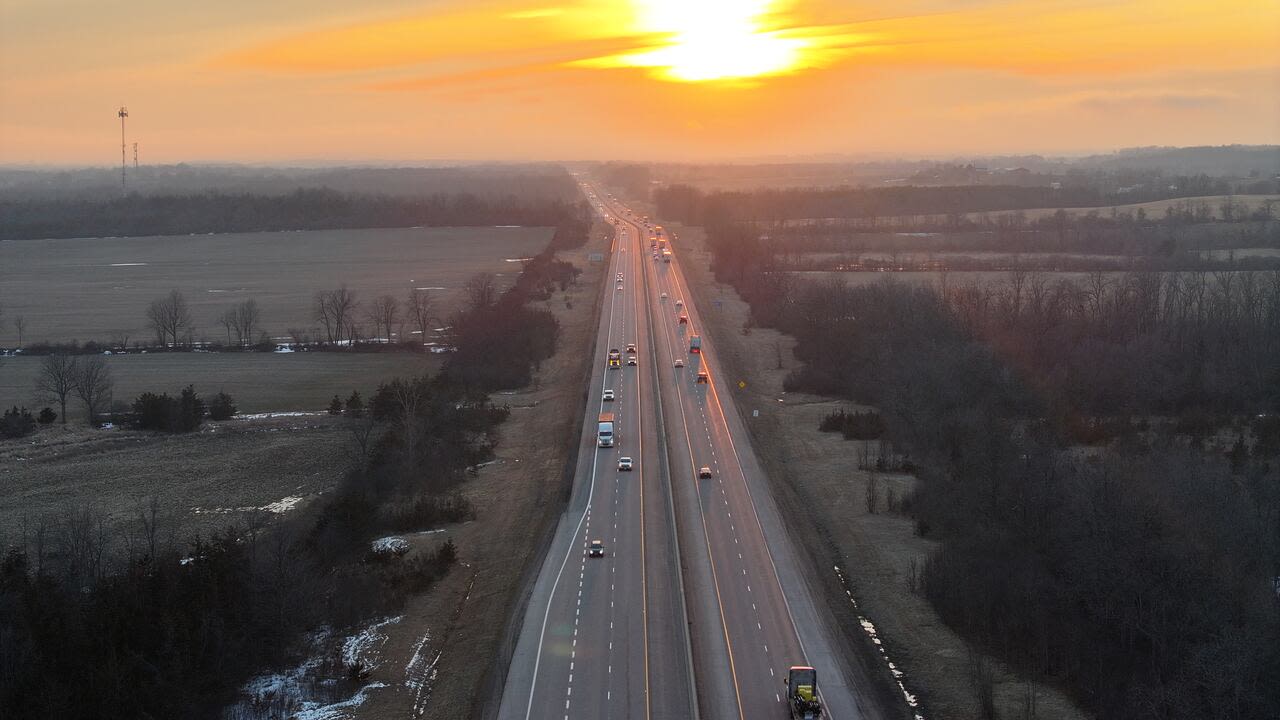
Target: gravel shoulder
x,y
822,495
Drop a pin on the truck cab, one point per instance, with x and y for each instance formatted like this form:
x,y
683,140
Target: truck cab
x,y
802,693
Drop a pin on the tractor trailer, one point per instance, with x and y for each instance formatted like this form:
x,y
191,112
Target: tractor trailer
x,y
604,433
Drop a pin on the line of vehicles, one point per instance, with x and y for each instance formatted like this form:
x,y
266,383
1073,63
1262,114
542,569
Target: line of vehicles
x,y
802,699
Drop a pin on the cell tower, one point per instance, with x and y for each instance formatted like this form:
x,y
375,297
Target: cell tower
x,y
135,156
124,113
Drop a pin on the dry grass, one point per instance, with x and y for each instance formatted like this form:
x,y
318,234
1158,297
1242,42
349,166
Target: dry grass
x,y
818,486
200,479
259,382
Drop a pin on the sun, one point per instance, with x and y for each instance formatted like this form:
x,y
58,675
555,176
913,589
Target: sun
x,y
711,40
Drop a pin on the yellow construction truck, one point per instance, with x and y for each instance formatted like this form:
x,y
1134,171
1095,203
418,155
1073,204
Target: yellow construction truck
x,y
802,693
615,358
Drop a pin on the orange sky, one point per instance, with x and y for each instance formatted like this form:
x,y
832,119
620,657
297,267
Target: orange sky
x,y
330,81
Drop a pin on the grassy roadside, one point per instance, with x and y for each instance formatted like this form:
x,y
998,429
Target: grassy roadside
x,y
464,628
822,493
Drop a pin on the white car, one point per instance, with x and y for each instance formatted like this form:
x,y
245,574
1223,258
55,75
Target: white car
x,y
663,297
704,472
624,464
679,362
619,287
608,395
631,359
679,303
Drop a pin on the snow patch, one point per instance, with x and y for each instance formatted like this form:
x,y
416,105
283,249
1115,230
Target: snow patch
x,y
365,648
126,264
283,505
393,545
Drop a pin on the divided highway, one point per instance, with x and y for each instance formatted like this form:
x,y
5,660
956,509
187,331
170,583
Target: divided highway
x,y
615,636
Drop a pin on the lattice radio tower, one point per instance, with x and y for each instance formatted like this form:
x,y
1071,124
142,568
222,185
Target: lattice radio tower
x,y
124,185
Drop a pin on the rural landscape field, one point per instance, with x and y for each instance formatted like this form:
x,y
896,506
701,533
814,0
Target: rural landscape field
x,y
640,360
99,288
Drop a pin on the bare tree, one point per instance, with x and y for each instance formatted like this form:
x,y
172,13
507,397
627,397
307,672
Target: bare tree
x,y
57,379
248,318
419,308
93,385
383,313
20,324
228,322
481,290
170,318
336,311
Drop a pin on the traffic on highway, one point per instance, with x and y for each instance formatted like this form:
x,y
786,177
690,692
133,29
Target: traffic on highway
x,y
670,589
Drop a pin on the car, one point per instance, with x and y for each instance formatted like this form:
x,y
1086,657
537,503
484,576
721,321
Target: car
x,y
631,360
631,348
596,548
702,377
684,319
608,395
679,362
619,287
679,302
663,297
624,464
619,277
704,472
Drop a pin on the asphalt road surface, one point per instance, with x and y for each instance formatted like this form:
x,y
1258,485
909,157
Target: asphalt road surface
x,y
621,636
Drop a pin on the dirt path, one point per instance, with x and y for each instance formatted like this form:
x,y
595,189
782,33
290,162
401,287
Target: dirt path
x,y
446,659
822,492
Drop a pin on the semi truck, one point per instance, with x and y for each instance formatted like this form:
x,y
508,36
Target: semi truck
x,y
604,433
695,344
802,693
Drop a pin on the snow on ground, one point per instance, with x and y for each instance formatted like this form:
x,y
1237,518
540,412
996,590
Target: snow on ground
x,y
420,674
365,648
283,505
318,688
392,545
337,711
269,415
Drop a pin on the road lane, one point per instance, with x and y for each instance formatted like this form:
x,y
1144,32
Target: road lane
x,y
586,647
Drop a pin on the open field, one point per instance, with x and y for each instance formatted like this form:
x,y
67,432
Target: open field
x,y
821,491
225,473
259,382
99,288
1155,210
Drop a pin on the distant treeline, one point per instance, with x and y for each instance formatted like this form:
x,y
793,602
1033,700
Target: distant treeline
x,y
1146,580
530,183
691,206
104,624
302,209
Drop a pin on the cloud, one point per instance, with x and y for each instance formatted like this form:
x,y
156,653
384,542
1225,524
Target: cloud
x,y
1171,100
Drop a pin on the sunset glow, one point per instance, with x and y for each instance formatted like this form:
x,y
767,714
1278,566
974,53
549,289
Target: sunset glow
x,y
715,78
714,40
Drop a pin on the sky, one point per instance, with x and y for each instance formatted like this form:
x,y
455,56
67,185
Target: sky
x,y
332,81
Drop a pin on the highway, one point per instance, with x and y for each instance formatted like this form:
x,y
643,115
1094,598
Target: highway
x,y
622,636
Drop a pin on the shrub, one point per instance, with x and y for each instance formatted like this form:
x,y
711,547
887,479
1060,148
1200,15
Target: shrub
x,y
17,423
335,406
184,413
355,405
47,416
222,407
